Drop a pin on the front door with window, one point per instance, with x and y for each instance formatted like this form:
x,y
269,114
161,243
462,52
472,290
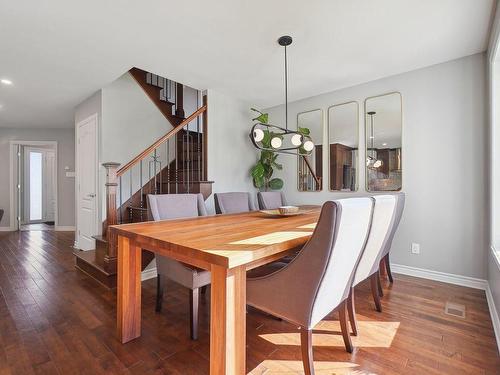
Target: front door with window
x,y
39,185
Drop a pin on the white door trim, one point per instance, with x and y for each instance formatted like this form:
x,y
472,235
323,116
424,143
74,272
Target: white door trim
x,y
13,196
94,117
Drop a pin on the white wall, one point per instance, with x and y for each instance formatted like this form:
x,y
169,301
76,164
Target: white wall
x,y
494,163
230,151
130,121
444,162
65,139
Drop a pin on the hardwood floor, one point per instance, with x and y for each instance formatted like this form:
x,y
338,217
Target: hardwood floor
x,y
55,320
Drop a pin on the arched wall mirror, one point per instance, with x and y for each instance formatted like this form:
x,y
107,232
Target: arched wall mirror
x,y
343,146
310,167
383,129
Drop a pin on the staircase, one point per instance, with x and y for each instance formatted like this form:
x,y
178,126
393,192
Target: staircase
x,y
174,164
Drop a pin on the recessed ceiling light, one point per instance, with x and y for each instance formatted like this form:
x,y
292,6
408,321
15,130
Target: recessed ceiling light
x,y
384,144
6,81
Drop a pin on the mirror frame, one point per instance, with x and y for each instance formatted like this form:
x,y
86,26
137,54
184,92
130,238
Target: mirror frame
x,y
357,136
322,154
366,143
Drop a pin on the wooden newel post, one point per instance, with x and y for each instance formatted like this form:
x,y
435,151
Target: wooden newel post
x,y
111,213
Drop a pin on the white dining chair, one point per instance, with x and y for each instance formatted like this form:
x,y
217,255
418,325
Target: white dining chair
x,y
400,204
233,202
270,200
319,279
383,218
177,206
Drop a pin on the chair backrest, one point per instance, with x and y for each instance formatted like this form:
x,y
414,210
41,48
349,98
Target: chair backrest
x,y
231,203
176,206
320,277
383,218
400,205
270,200
353,224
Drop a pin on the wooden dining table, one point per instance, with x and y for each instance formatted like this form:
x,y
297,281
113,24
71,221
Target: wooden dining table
x,y
226,245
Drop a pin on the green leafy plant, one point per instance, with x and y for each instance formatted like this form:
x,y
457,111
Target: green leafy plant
x,y
303,131
262,171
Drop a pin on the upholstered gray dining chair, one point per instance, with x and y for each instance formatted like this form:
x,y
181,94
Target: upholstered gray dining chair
x,y
400,204
270,200
319,279
177,206
232,203
382,221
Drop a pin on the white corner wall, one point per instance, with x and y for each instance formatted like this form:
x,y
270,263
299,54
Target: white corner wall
x,y
130,121
230,152
444,162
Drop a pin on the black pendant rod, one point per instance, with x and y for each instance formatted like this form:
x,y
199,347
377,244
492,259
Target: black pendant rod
x,y
285,41
286,92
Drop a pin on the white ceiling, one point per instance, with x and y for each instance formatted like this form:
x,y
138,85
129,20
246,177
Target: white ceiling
x,y
59,52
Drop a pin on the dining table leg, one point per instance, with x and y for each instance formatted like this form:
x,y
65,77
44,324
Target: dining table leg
x,y
129,290
228,321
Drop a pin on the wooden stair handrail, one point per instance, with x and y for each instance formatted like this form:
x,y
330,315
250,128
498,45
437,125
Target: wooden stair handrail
x,y
167,136
316,178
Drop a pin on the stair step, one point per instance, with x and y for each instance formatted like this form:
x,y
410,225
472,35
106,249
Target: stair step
x,y
136,208
166,101
85,262
101,238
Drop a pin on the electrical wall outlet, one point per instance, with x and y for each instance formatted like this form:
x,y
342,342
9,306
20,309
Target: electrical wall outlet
x,y
415,248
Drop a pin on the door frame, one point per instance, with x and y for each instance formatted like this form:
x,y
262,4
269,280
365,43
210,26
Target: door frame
x,y
14,214
94,117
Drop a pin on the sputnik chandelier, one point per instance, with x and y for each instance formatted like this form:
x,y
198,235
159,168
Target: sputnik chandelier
x,y
278,139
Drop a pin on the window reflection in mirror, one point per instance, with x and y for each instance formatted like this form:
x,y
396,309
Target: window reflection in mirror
x,y
310,167
383,129
343,146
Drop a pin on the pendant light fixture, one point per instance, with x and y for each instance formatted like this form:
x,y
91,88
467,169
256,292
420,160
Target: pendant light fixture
x,y
281,140
371,160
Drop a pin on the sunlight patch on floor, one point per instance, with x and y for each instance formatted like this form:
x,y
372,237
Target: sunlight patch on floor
x,y
280,367
271,238
370,335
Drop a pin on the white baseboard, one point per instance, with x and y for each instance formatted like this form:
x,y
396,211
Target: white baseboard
x,y
7,229
494,315
62,228
148,274
444,277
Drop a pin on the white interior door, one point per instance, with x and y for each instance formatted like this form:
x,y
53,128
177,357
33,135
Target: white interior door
x,y
50,181
86,182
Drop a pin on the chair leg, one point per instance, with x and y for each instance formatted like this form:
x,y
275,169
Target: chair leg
x,y
307,350
159,293
351,310
388,268
374,287
379,286
194,298
344,327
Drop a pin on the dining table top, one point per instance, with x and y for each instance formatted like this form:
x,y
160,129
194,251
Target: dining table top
x,y
229,240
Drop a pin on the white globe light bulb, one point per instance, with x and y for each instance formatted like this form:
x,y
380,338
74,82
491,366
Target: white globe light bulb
x,y
308,146
276,142
377,163
258,135
296,139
